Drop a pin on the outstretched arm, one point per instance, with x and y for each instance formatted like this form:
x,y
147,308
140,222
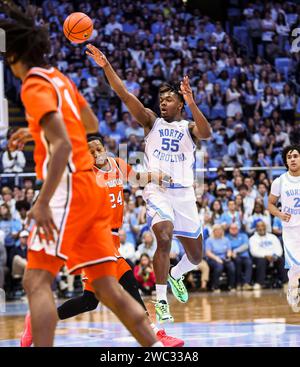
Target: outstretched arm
x,y
143,115
200,128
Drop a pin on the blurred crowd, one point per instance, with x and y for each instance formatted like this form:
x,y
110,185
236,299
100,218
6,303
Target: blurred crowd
x,y
244,74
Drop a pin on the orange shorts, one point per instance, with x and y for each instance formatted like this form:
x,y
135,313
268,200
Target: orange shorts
x,y
82,213
52,264
121,268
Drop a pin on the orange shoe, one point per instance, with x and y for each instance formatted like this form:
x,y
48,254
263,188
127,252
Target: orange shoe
x,y
26,338
169,341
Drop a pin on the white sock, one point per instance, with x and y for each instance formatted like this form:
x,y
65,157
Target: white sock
x,y
157,344
154,328
161,292
184,266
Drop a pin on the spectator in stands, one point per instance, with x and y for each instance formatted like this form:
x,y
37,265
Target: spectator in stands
x,y
240,150
18,256
251,99
13,162
231,215
148,246
287,103
221,195
268,28
283,30
130,222
269,102
259,214
144,275
127,249
247,201
240,253
233,99
7,198
219,257
266,251
255,29
216,212
11,228
262,192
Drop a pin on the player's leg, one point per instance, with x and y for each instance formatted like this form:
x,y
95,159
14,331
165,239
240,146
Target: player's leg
x,y
230,270
292,262
77,305
216,269
37,284
189,261
163,231
129,283
188,230
247,262
127,309
261,270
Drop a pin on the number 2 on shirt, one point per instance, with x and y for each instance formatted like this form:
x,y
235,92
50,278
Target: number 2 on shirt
x,y
115,201
297,202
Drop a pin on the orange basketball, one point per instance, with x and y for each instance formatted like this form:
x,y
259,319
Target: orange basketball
x,y
78,27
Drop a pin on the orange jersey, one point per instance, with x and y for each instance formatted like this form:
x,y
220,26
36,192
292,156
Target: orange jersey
x,y
114,180
48,90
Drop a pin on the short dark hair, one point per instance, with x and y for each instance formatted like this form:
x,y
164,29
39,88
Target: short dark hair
x,y
288,149
94,137
175,88
25,41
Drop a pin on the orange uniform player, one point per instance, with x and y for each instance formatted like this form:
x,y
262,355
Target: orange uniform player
x,y
56,93
113,179
72,223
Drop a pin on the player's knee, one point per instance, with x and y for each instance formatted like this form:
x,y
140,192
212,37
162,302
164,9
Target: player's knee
x,y
164,242
35,281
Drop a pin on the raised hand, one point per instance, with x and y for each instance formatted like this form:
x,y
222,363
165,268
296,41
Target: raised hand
x,y
19,138
186,90
96,55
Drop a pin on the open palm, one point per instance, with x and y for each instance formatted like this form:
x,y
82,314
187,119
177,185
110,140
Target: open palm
x,y
97,55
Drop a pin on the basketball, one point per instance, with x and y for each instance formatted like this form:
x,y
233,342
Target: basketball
x,y
78,27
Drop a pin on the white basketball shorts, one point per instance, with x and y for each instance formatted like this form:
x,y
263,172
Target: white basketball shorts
x,y
177,205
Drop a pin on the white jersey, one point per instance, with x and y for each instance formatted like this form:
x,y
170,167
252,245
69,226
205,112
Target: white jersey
x,y
287,187
170,148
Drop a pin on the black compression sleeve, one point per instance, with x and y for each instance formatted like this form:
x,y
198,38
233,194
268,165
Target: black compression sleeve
x,y
129,283
75,306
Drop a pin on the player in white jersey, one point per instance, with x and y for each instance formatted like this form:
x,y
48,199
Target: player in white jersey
x,y
287,189
170,144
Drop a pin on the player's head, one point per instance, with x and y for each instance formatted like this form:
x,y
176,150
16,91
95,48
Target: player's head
x,y
26,44
291,157
171,102
97,150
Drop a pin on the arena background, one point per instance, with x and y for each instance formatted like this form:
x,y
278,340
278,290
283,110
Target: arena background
x,y
242,48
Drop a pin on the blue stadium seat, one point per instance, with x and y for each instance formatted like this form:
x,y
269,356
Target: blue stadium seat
x,y
282,64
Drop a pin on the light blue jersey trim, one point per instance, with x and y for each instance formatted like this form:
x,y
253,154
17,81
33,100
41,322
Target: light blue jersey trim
x,y
159,212
189,234
189,133
291,257
176,186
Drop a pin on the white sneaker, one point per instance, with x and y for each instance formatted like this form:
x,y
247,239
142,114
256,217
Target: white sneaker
x,y
257,287
293,298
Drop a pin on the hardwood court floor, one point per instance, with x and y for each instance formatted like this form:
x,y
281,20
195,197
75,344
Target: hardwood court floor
x,y
258,318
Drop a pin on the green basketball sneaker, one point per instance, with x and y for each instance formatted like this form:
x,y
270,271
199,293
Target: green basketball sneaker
x,y
163,312
178,288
